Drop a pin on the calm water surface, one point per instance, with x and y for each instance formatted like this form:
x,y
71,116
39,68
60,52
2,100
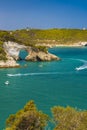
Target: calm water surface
x,y
47,83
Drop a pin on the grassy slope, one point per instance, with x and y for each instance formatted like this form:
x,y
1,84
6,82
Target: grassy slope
x,y
61,36
33,36
3,35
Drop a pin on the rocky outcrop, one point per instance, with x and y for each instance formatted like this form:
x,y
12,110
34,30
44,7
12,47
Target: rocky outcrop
x,y
11,54
10,63
13,49
83,43
41,56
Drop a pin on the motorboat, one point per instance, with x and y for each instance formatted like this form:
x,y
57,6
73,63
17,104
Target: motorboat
x,y
77,68
7,82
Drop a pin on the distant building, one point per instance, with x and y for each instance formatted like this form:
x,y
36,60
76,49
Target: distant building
x,y
27,29
84,28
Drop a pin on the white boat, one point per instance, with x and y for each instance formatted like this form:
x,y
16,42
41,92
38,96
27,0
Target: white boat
x,y
7,82
78,68
82,67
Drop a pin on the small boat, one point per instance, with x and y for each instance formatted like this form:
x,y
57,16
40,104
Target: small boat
x,y
7,82
77,68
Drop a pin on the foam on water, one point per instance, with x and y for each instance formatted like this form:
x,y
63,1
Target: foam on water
x,y
33,74
82,67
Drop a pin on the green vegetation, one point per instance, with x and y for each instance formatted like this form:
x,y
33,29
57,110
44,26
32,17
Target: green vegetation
x,y
42,48
56,36
37,37
4,37
2,52
34,36
30,118
69,118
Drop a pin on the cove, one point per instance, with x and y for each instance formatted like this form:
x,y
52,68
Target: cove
x,y
47,83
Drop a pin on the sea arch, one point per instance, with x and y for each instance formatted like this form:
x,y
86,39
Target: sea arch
x,y
23,53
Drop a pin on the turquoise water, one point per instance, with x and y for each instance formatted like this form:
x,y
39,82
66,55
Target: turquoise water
x,y
47,83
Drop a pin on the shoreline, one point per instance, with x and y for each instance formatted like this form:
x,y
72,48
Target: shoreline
x,y
61,45
9,64
71,46
13,64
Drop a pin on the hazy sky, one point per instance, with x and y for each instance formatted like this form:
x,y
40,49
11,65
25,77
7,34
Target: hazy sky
x,y
16,14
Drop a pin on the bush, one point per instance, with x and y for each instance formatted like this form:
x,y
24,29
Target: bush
x,y
29,118
2,52
69,118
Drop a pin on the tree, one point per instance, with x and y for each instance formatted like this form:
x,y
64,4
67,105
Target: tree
x,y
29,118
69,118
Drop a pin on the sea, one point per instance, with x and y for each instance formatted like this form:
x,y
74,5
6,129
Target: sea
x,y
49,84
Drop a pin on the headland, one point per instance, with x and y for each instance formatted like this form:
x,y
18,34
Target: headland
x,y
36,42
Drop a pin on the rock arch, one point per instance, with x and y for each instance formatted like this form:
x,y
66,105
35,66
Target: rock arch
x,y
13,50
23,53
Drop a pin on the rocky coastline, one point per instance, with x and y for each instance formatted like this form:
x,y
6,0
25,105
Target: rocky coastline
x,y
9,64
41,56
78,44
13,49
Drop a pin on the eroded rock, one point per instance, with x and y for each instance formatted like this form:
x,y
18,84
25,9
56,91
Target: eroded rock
x,y
13,49
41,56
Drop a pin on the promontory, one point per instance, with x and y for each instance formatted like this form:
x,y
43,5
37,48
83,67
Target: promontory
x,y
36,42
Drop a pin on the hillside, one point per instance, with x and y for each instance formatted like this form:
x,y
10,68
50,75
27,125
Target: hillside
x,y
37,38
56,36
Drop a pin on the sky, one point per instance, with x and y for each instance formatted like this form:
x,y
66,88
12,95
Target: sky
x,y
43,14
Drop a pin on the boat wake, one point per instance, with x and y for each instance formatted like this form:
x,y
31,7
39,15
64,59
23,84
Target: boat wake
x,y
82,67
37,74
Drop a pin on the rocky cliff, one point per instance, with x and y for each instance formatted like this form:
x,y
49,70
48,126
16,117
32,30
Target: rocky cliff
x,y
10,53
13,49
41,56
10,63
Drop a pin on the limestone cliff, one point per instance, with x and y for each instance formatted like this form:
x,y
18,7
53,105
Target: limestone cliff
x,y
10,62
41,56
13,49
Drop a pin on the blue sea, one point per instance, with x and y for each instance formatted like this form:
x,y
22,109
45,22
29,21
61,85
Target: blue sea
x,y
47,83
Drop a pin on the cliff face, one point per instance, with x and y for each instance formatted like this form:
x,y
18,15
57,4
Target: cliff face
x,y
41,56
13,49
10,62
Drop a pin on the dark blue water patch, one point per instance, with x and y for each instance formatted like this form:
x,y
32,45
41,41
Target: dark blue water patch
x,y
69,51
